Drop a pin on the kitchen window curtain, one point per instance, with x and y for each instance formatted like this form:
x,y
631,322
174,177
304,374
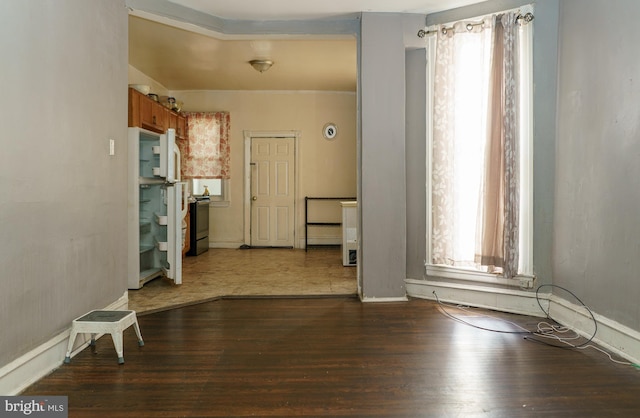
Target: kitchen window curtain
x,y
475,155
206,153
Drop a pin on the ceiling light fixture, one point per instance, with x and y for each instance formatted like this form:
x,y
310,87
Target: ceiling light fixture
x,y
261,65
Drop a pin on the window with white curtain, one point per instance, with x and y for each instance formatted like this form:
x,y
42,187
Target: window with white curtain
x,y
480,149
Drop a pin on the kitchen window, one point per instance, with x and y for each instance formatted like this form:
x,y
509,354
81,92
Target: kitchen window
x,y
218,190
206,155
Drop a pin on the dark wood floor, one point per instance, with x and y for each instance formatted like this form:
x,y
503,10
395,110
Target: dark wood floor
x,y
337,357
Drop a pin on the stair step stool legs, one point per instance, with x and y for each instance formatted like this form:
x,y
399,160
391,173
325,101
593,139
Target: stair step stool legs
x,y
104,322
117,343
72,339
137,328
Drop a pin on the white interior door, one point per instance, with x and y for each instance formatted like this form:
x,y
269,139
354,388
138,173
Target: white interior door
x,y
272,192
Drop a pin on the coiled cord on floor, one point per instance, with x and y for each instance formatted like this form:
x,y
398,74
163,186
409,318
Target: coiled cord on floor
x,y
544,329
559,327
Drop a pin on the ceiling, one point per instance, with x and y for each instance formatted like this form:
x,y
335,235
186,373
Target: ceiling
x,y
307,9
189,57
183,60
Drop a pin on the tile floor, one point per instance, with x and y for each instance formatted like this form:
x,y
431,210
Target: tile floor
x,y
249,272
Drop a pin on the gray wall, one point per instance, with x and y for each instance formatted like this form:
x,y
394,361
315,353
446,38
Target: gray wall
x,y
382,197
63,204
416,164
393,190
596,244
384,174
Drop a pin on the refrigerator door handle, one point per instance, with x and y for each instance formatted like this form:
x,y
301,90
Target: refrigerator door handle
x,y
169,157
164,156
185,200
174,233
176,163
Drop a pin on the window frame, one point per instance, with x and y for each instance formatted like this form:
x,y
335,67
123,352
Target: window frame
x,y
221,200
525,278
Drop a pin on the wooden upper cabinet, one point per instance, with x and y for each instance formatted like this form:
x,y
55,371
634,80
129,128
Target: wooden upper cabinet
x,y
172,119
179,123
181,129
134,107
153,115
149,114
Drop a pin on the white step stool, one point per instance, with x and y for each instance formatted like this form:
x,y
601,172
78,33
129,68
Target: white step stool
x,y
104,322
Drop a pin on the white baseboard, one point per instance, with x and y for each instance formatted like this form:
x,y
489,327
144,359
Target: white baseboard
x,y
231,245
382,300
507,300
42,360
312,241
611,335
317,241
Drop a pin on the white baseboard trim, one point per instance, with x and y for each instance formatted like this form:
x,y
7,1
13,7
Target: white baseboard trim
x,y
42,360
383,300
618,339
231,245
507,300
312,241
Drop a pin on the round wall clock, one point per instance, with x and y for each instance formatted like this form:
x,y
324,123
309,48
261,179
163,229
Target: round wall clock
x,y
330,131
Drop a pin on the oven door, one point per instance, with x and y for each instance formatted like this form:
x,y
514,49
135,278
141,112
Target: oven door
x,y
202,219
199,224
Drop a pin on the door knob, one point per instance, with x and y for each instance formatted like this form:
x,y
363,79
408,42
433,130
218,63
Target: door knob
x,y
254,198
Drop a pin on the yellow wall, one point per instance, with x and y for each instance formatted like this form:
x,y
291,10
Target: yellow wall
x,y
326,168
138,77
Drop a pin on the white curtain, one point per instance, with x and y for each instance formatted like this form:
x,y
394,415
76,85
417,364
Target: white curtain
x,y
475,156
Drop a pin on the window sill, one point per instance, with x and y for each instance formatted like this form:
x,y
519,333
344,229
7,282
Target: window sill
x,y
446,272
219,203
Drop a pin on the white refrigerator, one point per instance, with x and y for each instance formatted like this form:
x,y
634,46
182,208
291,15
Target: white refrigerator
x,y
157,205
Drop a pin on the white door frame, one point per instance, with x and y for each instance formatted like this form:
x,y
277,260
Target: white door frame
x,y
248,135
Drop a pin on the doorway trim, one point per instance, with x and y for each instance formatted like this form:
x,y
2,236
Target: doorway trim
x,y
248,135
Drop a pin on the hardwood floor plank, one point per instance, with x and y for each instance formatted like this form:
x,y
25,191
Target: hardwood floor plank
x,y
337,357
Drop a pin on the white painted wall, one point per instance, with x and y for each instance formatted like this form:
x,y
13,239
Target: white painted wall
x,y
63,212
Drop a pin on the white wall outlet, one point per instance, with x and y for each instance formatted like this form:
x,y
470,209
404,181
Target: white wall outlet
x,y
112,147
